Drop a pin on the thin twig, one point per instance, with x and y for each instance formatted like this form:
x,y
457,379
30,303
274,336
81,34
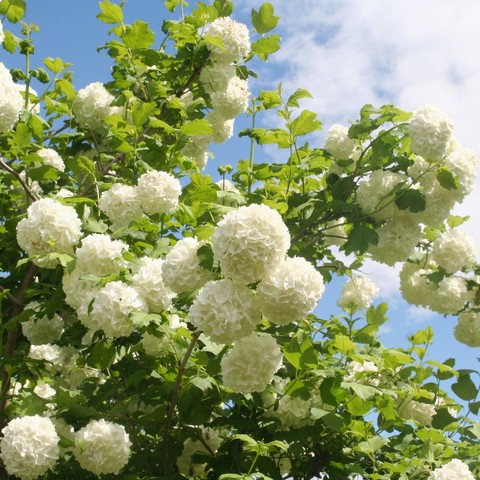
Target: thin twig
x,y
176,393
9,169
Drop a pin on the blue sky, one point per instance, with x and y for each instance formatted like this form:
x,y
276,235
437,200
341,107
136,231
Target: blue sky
x,y
346,53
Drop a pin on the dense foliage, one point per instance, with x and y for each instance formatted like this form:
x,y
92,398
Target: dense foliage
x,y
157,323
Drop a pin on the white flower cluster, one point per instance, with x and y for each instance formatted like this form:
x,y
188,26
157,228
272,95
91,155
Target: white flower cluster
x,y
454,250
29,446
121,204
251,364
100,255
249,242
11,101
52,158
158,192
49,227
40,329
56,358
92,104
150,283
181,270
290,291
366,373
419,412
453,470
225,311
338,143
357,293
467,330
102,447
430,131
234,37
190,447
111,309
375,195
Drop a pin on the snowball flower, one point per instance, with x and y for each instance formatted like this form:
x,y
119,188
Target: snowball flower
x,y
44,390
251,364
102,447
235,39
100,255
420,412
76,288
453,470
222,128
149,282
467,330
357,293
11,101
338,143
463,163
158,192
111,309
29,446
92,104
361,373
56,357
414,285
225,311
454,250
291,291
232,101
249,242
215,77
196,150
375,196
450,296
121,204
293,412
49,227
52,158
40,329
430,130
181,270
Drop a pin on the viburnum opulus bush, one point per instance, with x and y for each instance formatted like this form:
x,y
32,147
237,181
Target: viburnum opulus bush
x,y
157,323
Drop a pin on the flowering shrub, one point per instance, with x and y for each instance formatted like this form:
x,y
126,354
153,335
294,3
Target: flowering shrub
x,y
159,320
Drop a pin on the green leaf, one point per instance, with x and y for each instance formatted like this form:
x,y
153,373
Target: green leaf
x,y
305,123
110,12
442,419
196,127
359,239
343,344
55,65
266,46
270,99
264,19
376,315
223,7
410,199
138,36
373,444
141,112
465,388
10,42
296,96
447,179
13,9
101,355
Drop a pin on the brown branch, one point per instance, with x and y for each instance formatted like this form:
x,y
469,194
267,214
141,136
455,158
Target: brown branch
x,y
10,296
29,192
176,393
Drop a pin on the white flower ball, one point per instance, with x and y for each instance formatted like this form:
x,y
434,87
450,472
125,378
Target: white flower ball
x,y
29,446
397,239
41,330
251,364
414,285
181,270
44,390
49,227
52,158
467,330
11,101
374,195
338,143
92,105
2,34
225,311
222,127
111,309
151,285
362,373
249,242
453,470
430,131
357,293
235,38
100,255
158,192
291,291
293,412
419,412
450,296
463,163
76,288
102,447
215,77
454,250
197,150
439,204
232,101
57,358
121,204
